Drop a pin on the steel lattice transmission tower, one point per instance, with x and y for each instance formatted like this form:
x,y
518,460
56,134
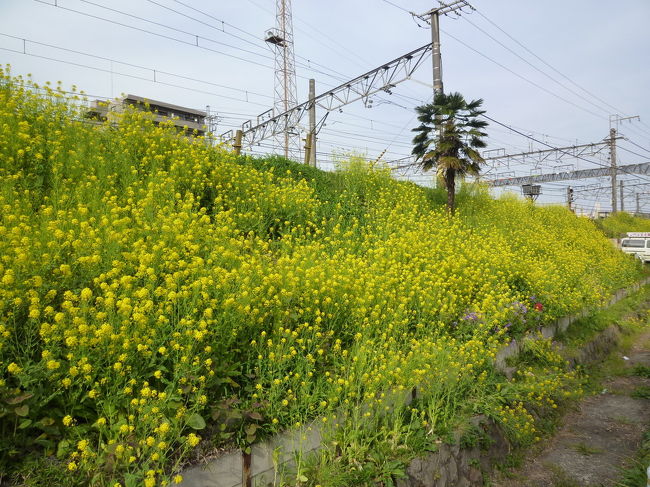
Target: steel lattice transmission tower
x,y
285,96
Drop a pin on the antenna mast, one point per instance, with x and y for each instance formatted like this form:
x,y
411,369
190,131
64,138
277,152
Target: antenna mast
x,y
285,96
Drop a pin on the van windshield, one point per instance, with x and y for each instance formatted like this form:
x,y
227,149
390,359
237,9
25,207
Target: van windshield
x,y
637,243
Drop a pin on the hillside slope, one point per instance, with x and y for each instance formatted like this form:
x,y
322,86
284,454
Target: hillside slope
x,y
150,282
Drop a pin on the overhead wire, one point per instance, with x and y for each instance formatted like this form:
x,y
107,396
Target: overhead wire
x,y
534,67
308,66
132,65
196,37
546,63
637,145
132,76
557,148
520,76
223,22
150,32
580,87
630,151
339,78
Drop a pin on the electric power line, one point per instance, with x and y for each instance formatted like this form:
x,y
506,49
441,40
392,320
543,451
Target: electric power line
x,y
523,77
547,64
196,37
141,78
631,152
535,67
556,148
637,145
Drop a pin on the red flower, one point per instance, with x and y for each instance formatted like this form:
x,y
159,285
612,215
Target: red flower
x,y
539,307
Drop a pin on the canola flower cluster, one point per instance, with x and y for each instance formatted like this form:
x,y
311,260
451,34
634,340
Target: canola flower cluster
x,y
537,390
147,277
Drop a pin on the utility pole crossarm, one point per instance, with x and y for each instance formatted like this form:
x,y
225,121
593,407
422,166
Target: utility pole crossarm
x,y
382,78
643,168
444,9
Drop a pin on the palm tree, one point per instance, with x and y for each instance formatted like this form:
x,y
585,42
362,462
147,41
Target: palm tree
x,y
447,139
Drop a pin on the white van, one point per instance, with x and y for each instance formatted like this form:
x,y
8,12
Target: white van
x,y
638,244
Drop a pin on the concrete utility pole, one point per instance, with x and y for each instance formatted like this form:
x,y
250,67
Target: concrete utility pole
x,y
435,54
432,17
612,157
616,120
621,195
638,207
312,122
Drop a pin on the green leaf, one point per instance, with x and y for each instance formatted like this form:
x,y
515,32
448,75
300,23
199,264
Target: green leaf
x,y
62,448
196,421
22,410
24,424
302,478
251,429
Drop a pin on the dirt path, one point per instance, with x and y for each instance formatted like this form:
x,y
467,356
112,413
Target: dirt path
x,y
594,441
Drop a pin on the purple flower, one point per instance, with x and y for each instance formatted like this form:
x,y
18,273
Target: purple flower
x,y
520,307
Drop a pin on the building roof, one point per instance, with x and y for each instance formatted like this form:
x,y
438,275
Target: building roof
x,y
162,104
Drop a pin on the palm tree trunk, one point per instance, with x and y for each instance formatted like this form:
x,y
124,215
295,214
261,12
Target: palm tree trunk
x,y
450,183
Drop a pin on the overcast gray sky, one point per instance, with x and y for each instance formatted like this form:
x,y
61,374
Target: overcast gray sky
x,y
595,64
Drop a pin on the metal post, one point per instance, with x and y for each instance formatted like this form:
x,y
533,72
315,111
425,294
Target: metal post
x,y
638,207
622,200
612,154
569,198
237,144
312,123
435,54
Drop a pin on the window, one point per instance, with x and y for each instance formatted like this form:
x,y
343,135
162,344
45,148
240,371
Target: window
x,y
634,243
